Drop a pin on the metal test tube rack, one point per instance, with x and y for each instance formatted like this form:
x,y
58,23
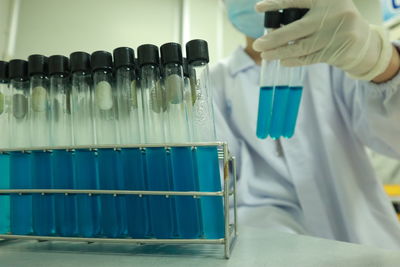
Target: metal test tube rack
x,y
229,190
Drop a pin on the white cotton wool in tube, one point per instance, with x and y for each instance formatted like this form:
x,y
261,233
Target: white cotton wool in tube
x,y
103,95
39,96
173,85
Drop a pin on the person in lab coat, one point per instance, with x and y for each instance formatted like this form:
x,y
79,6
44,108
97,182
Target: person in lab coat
x,y
320,182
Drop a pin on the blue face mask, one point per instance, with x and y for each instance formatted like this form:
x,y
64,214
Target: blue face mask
x,y
244,17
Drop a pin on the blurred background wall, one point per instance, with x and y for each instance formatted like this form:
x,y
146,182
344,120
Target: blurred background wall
x,y
62,26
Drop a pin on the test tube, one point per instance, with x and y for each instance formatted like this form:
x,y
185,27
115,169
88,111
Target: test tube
x,y
206,157
43,205
83,135
20,172
269,70
4,105
181,158
4,144
154,113
61,135
105,117
296,80
128,122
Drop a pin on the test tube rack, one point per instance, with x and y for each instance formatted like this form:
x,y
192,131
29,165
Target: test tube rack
x,y
227,193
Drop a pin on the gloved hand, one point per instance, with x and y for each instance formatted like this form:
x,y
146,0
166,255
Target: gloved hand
x,y
332,32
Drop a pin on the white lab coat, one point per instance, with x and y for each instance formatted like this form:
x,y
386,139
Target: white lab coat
x,y
324,184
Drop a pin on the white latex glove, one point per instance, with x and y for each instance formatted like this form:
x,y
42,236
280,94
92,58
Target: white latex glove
x,y
332,32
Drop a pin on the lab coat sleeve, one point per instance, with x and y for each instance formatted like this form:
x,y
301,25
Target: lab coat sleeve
x,y
371,110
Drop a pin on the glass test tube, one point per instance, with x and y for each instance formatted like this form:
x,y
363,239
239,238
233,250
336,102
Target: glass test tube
x,y
61,135
105,117
293,106
206,158
85,160
128,122
4,144
181,158
43,205
154,113
20,172
267,80
296,79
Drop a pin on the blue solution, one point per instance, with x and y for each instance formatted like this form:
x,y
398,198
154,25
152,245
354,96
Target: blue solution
x,y
137,207
43,205
184,179
281,95
212,209
108,180
87,206
160,207
21,206
264,111
292,110
65,205
4,199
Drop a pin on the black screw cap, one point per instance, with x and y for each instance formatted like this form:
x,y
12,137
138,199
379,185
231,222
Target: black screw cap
x,y
3,71
101,60
18,69
171,53
80,61
124,57
197,50
148,55
293,14
37,64
272,19
58,65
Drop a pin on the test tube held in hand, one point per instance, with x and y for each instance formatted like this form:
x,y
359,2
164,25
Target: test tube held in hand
x,y
269,71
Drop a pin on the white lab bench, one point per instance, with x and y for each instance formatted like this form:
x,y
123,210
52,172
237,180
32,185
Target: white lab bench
x,y
255,247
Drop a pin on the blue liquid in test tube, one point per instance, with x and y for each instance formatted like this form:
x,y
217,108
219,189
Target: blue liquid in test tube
x,y
133,162
21,206
158,180
295,93
4,199
209,181
281,96
43,205
265,104
108,160
87,206
65,214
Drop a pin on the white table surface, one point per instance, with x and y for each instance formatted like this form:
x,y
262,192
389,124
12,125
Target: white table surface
x,y
255,247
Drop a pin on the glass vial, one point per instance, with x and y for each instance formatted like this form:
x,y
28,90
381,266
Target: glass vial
x,y
85,160
132,160
4,144
20,163
105,117
61,135
154,114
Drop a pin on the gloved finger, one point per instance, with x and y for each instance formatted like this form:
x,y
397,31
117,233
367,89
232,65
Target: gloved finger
x,y
273,5
280,37
303,61
300,48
